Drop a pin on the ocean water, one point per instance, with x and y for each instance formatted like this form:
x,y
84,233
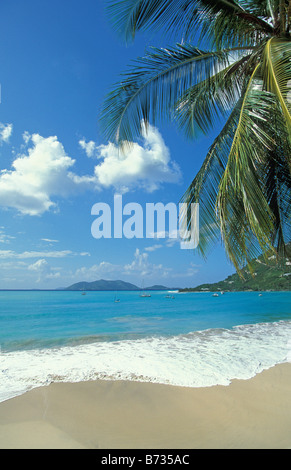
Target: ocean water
x,y
193,339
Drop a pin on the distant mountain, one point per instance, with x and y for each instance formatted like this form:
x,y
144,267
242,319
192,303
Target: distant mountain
x,y
266,276
104,285
157,287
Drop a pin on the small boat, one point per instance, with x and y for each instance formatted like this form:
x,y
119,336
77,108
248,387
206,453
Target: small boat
x,y
215,295
143,293
116,300
83,293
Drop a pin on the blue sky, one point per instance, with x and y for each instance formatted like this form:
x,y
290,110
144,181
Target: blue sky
x,y
58,61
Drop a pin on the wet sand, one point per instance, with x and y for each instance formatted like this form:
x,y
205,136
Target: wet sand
x,y
247,414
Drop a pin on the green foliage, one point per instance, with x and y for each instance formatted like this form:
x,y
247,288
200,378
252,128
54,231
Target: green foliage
x,y
274,275
244,185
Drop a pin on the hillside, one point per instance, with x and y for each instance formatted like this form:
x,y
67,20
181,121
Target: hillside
x,y
266,276
103,285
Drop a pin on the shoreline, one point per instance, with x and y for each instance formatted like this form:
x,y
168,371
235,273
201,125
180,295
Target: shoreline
x,y
253,413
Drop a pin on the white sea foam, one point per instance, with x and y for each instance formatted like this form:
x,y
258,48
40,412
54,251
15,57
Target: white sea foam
x,y
199,359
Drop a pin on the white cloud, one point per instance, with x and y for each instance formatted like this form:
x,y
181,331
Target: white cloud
x,y
8,254
5,132
26,137
146,166
44,271
4,238
38,265
100,270
141,266
49,240
153,247
89,147
43,172
36,177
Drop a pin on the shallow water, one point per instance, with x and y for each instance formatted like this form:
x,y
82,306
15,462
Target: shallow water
x,y
193,339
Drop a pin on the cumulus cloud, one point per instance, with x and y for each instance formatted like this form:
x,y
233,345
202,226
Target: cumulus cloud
x,y
26,137
98,271
36,177
139,267
43,171
43,270
5,132
145,165
89,147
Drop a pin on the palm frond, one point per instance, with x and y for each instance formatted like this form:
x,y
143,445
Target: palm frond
x,y
185,17
244,185
205,186
130,16
260,8
212,99
276,70
240,185
276,178
153,86
278,191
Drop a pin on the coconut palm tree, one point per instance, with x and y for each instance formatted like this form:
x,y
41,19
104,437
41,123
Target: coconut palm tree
x,y
240,76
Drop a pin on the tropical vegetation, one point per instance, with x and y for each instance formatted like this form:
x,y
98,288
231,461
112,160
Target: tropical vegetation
x,y
264,276
231,65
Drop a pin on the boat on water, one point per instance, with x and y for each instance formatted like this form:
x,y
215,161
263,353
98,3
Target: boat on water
x,y
215,295
143,293
83,293
116,299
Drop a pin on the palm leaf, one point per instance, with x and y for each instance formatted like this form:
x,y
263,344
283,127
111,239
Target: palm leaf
x,y
184,17
278,191
211,99
240,185
260,8
244,185
205,186
153,86
276,177
276,70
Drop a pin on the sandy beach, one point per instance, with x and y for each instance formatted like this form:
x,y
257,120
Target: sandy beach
x,y
253,413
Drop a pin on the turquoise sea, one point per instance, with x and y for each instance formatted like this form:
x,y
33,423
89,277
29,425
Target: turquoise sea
x,y
184,339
